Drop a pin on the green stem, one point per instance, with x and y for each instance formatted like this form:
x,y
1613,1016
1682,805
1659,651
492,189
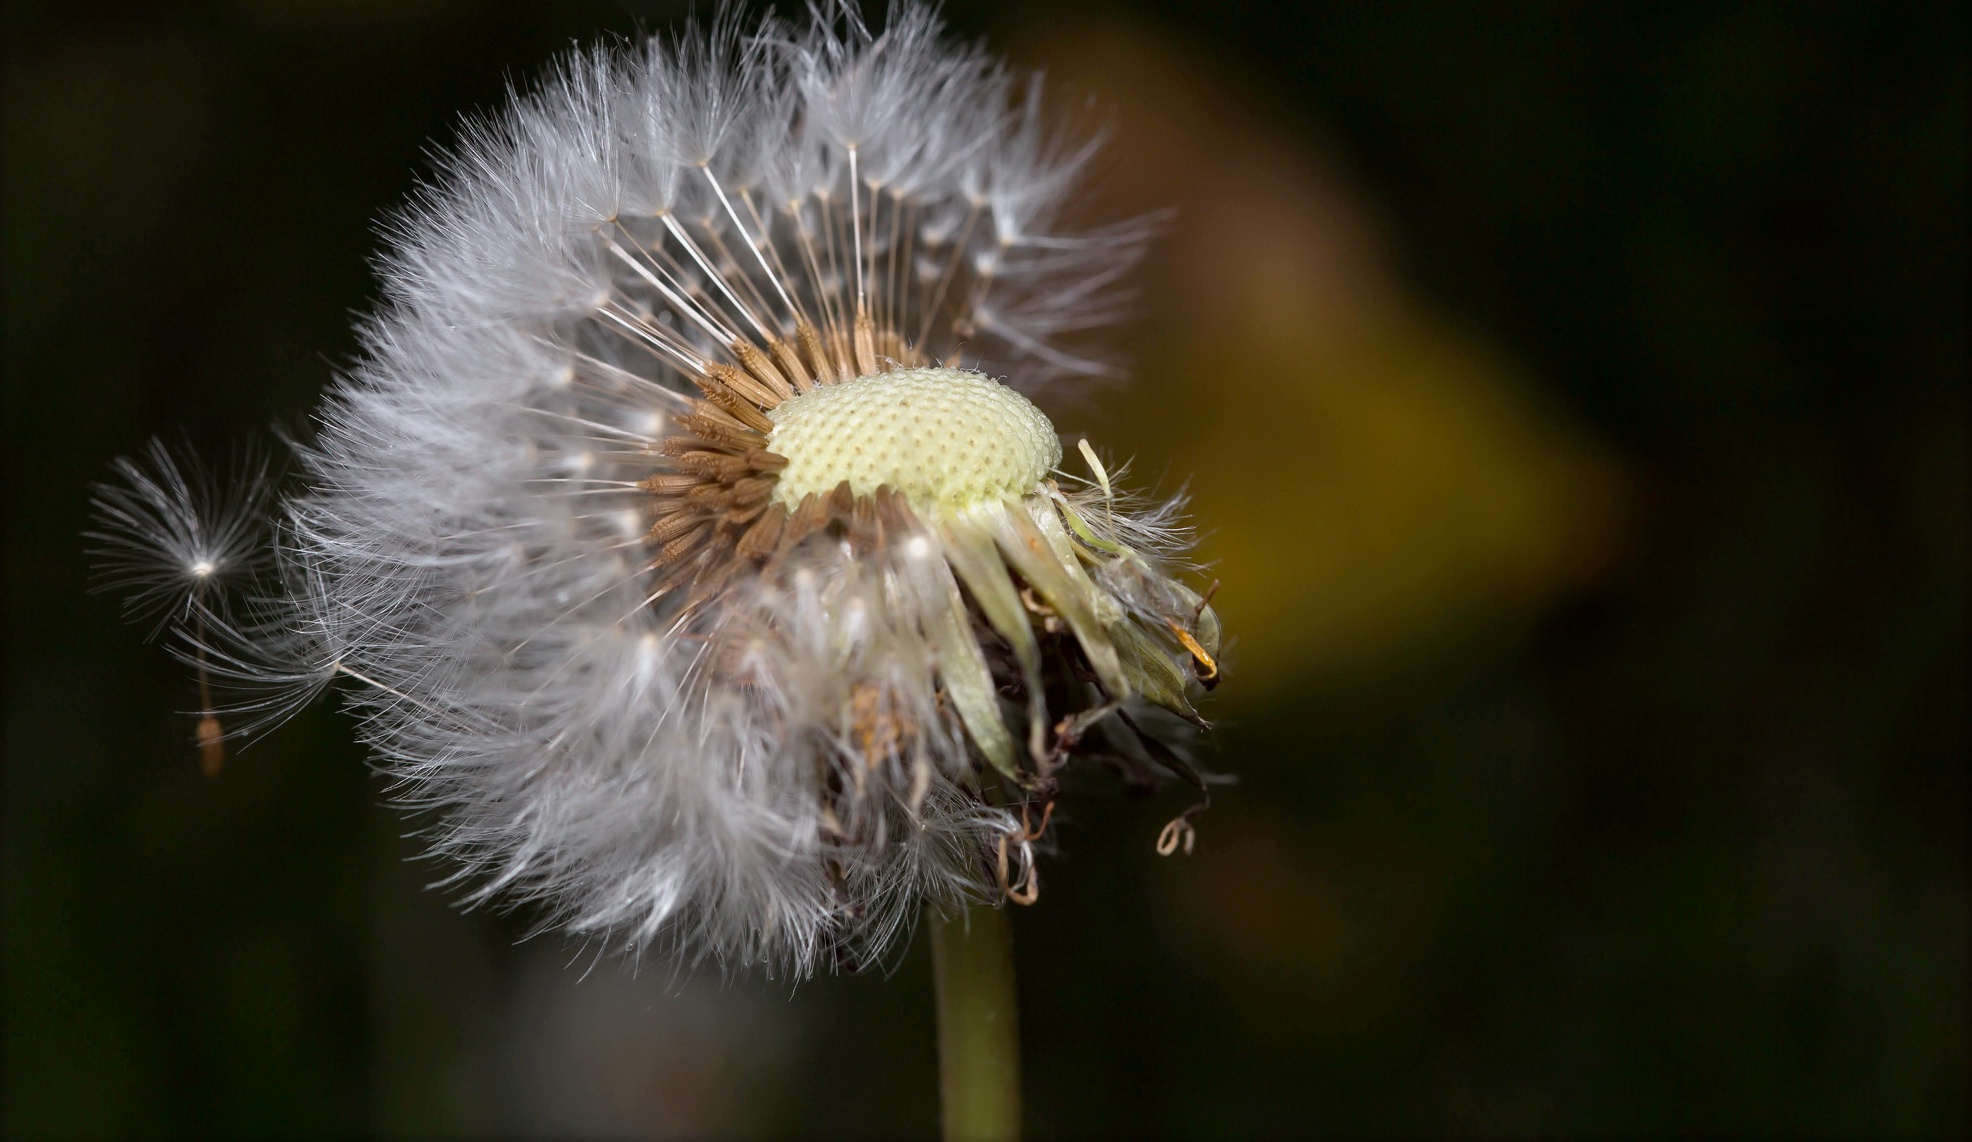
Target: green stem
x,y
978,1026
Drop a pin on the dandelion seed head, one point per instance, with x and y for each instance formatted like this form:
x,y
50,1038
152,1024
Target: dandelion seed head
x,y
674,562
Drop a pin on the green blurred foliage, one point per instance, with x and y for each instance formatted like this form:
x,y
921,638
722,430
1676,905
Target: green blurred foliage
x,y
1636,806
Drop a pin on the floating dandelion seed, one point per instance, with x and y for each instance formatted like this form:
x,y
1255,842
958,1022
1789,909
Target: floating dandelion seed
x,y
678,561
171,536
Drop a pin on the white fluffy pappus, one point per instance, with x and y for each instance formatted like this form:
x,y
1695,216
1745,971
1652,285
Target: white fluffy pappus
x,y
169,532
685,532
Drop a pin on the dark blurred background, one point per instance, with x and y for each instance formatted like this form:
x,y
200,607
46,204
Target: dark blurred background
x,y
1575,400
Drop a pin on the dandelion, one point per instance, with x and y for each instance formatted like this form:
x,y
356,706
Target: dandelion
x,y
686,535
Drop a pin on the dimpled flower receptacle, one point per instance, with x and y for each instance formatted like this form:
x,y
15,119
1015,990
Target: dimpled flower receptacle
x,y
941,438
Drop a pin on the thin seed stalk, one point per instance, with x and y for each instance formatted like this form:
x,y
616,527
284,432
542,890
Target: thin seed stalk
x,y
978,1027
